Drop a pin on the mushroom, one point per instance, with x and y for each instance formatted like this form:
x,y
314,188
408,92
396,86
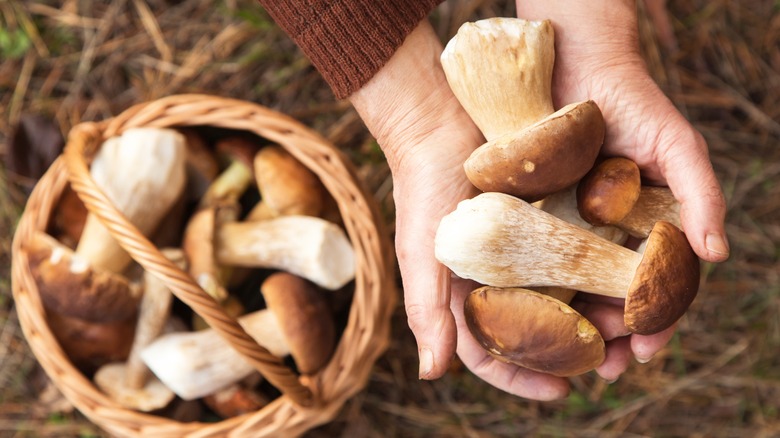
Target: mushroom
x,y
286,186
538,331
612,194
130,383
297,321
499,240
233,181
68,285
142,172
500,69
310,247
563,205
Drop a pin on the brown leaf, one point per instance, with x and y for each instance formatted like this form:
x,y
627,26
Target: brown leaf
x,y
34,143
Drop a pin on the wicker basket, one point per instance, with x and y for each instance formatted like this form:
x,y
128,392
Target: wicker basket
x,y
305,403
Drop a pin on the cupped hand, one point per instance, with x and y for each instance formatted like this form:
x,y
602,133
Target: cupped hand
x,y
426,136
598,58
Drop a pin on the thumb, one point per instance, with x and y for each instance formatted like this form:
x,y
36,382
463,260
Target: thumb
x,y
427,303
687,168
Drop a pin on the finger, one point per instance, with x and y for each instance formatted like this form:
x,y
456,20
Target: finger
x,y
617,359
645,347
506,377
427,301
685,164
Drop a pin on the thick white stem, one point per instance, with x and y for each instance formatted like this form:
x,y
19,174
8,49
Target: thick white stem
x,y
499,240
310,247
195,364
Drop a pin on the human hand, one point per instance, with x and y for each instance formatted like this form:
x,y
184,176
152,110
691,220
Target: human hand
x,y
598,58
426,136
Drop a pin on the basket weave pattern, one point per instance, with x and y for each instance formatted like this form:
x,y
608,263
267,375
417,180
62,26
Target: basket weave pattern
x,y
304,403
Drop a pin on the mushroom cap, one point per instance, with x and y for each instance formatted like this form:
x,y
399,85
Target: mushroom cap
x,y
90,345
533,330
152,396
609,191
543,158
304,319
285,184
665,284
69,285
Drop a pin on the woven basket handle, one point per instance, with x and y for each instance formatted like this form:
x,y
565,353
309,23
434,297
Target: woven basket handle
x,y
83,142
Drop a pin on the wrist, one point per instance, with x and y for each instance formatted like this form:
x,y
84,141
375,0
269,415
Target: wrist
x,y
409,99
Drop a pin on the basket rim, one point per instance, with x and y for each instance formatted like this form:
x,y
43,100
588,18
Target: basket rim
x,y
364,339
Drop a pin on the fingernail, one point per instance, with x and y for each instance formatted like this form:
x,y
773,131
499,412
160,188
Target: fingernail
x,y
717,244
643,359
426,362
611,381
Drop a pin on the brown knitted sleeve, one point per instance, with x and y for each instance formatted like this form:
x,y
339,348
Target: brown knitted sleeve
x,y
348,41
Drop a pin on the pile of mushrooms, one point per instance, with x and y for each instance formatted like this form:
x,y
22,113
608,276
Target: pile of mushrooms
x,y
245,219
554,219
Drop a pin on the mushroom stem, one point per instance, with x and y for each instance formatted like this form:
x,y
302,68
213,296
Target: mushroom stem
x,y
654,204
130,383
499,240
500,69
154,312
310,247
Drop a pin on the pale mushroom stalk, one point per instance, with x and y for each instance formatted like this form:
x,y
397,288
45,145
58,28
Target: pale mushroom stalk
x,y
195,364
500,69
499,240
131,384
310,247
142,172
653,204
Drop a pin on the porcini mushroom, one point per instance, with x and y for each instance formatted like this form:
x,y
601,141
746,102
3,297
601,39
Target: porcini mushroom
x,y
142,172
310,247
500,69
130,383
499,240
612,194
195,364
534,330
286,186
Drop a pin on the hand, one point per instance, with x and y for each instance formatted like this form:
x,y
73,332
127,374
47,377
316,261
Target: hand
x,y
598,58
426,136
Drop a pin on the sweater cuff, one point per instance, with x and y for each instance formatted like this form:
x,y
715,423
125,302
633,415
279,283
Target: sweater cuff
x,y
348,41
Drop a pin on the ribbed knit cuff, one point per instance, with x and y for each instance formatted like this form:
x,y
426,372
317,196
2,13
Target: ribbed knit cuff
x,y
348,41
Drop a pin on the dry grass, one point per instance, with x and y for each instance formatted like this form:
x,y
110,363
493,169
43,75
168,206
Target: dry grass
x,y
719,62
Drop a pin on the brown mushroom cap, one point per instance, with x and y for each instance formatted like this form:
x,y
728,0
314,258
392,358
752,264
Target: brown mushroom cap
x,y
665,284
304,318
286,185
90,345
70,286
543,158
533,330
609,191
